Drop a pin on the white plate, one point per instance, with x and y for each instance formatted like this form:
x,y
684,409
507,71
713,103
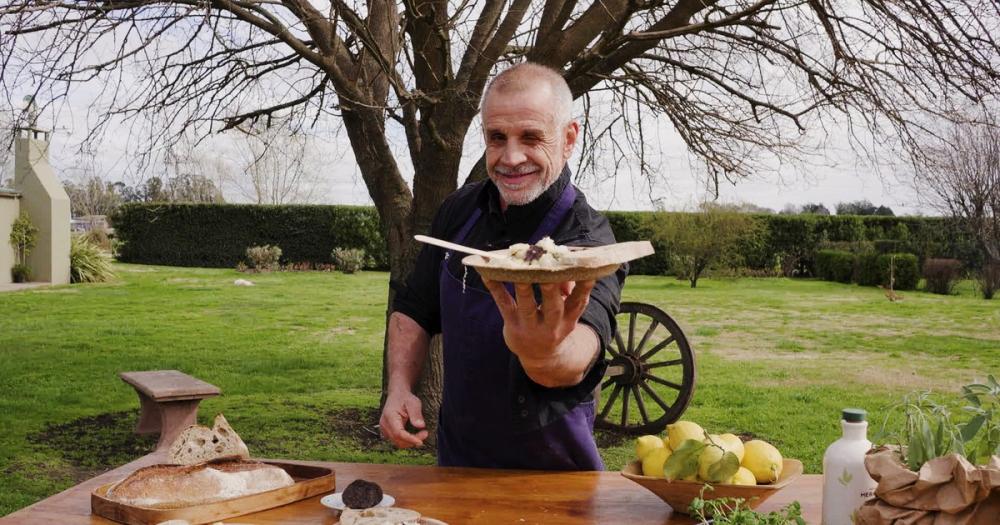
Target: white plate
x,y
336,501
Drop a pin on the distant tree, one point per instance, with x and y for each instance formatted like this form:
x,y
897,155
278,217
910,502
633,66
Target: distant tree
x,y
790,209
702,240
744,207
815,209
963,179
92,196
181,188
861,207
275,164
884,211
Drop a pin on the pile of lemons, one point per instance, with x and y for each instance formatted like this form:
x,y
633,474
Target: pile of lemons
x,y
689,453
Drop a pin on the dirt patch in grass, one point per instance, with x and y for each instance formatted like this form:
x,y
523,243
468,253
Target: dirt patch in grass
x,y
359,425
91,445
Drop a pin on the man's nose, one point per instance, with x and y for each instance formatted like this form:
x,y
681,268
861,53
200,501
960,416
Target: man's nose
x,y
513,154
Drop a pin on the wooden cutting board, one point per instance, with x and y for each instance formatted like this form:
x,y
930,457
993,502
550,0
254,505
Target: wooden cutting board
x,y
309,481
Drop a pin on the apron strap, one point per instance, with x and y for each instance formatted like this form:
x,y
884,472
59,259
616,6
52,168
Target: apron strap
x,y
467,227
559,210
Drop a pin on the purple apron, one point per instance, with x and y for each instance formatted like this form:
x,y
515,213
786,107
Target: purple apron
x,y
484,422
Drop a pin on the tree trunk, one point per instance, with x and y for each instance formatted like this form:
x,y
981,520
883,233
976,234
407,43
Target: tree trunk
x,y
442,131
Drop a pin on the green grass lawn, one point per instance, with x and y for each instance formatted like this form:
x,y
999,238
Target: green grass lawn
x,y
298,358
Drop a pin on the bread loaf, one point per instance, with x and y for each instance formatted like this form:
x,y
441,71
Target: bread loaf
x,y
176,486
198,444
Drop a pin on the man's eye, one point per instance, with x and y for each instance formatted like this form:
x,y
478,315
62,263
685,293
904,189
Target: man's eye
x,y
497,137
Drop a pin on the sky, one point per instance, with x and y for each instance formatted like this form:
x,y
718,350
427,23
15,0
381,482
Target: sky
x,y
835,174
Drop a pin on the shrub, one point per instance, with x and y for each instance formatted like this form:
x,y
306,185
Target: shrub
x,y
866,269
348,260
941,275
23,236
88,263
885,246
835,265
988,280
99,237
899,270
20,273
263,258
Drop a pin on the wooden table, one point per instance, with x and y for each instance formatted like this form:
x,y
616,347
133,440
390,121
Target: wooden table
x,y
454,495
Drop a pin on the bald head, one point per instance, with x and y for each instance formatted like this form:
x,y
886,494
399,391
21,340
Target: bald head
x,y
529,131
528,76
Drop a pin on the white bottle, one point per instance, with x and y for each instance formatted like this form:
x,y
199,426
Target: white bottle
x,y
846,483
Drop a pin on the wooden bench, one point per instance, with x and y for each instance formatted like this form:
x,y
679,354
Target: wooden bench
x,y
169,401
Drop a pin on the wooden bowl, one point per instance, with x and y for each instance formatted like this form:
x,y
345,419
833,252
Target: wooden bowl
x,y
679,494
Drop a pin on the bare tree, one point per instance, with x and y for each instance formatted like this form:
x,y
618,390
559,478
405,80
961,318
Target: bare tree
x,y
739,80
92,196
962,174
275,164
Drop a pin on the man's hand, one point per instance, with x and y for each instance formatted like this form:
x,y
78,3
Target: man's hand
x,y
532,331
401,407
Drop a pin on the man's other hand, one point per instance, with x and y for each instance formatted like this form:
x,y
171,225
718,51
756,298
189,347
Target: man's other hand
x,y
400,408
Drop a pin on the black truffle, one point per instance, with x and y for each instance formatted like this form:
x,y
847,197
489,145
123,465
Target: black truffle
x,y
361,494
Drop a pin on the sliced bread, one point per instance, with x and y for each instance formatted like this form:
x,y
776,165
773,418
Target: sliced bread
x,y
198,444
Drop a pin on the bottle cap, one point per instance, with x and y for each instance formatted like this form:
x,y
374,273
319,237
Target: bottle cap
x,y
854,415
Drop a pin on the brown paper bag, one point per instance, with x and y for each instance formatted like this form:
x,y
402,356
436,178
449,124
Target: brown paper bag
x,y
947,491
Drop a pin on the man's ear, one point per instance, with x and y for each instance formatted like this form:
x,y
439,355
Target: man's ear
x,y
572,131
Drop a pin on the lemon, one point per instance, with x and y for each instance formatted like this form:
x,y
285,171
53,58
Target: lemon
x,y
743,477
763,460
731,443
710,456
682,431
652,464
646,444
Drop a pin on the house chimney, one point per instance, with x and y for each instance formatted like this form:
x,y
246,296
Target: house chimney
x,y
43,199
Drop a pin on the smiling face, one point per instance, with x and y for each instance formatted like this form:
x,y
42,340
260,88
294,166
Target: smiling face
x,y
526,146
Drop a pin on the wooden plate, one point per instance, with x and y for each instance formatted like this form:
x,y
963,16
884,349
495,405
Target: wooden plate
x,y
309,481
587,264
679,494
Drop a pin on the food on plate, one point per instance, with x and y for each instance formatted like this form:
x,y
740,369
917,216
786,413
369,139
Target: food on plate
x,y
176,486
198,444
380,516
362,494
544,254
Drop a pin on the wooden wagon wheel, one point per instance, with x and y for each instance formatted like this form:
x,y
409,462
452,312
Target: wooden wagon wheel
x,y
651,373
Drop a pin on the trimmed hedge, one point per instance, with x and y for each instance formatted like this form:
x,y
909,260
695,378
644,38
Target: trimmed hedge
x,y
835,265
217,235
866,270
905,269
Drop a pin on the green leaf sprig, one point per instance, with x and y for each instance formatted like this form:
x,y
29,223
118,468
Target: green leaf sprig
x,y
930,430
737,511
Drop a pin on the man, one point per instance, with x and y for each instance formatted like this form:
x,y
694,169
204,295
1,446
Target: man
x,y
520,363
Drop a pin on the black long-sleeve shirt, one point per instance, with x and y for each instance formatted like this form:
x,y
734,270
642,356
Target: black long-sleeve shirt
x,y
497,229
